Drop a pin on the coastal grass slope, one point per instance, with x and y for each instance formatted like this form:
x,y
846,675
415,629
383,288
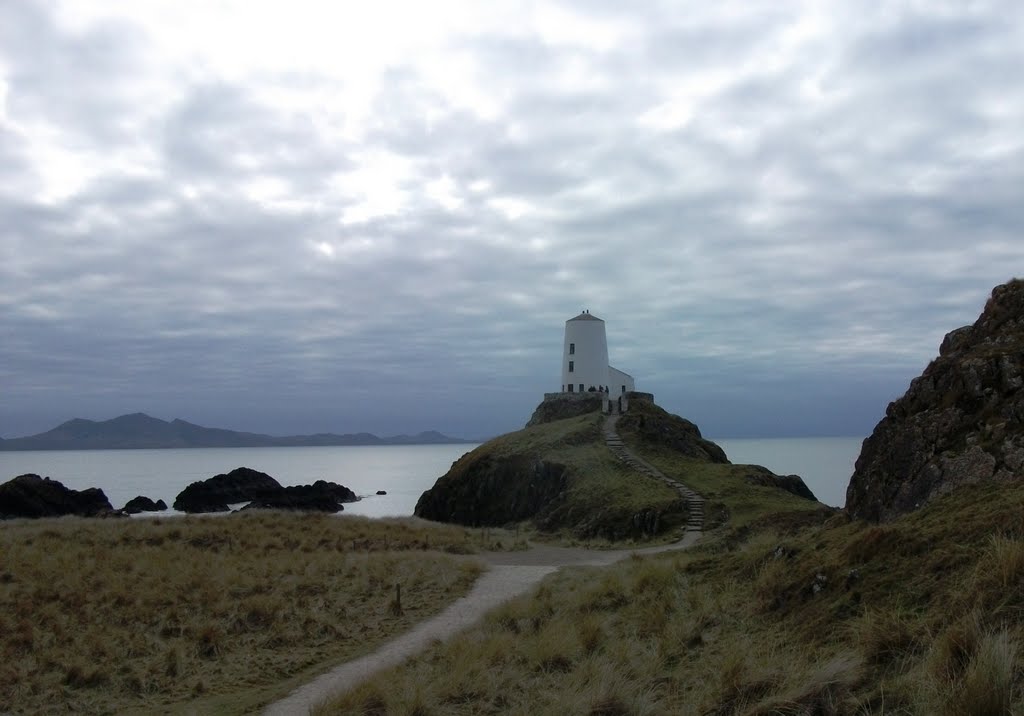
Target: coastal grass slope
x,y
561,477
799,612
211,615
735,494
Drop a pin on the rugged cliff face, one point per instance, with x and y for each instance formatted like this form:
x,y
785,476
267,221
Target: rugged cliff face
x,y
490,491
961,421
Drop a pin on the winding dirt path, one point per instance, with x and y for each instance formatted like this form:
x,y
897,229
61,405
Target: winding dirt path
x,y
509,575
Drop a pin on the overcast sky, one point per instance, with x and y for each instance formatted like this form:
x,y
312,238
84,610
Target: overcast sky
x,y
292,217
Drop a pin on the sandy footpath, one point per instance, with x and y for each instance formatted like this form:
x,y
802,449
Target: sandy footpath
x,y
509,575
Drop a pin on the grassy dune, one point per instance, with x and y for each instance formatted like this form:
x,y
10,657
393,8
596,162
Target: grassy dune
x,y
789,613
207,614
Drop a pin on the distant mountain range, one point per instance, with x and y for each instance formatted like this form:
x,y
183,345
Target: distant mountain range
x,y
138,430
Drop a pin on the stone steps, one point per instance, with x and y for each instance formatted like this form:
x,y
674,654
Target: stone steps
x,y
693,500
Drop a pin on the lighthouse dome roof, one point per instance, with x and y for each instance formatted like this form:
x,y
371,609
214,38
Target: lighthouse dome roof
x,y
585,316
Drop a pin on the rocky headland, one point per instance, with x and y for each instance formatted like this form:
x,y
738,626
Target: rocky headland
x,y
559,474
961,421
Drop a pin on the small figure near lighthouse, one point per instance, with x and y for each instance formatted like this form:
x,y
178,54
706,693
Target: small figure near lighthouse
x,y
585,366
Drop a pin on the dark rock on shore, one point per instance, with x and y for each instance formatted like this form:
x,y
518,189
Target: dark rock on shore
x,y
488,491
793,484
321,496
242,484
143,504
34,496
961,421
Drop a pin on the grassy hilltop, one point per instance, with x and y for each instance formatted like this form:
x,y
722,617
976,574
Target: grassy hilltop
x,y
560,476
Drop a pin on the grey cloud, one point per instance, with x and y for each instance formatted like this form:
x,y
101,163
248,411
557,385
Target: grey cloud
x,y
219,130
727,291
77,82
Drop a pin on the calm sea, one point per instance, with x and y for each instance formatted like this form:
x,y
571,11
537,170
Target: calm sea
x,y
404,471
825,464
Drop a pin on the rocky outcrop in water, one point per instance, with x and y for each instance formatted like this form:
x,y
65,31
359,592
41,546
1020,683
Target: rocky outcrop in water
x,y
260,490
34,496
215,494
143,504
961,421
321,496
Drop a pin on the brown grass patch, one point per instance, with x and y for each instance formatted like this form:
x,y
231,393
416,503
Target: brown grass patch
x,y
150,614
918,617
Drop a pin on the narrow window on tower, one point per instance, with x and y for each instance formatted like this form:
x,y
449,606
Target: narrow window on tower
x,y
570,366
572,349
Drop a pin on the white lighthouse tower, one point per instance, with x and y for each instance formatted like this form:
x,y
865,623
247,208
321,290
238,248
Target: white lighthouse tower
x,y
584,355
586,373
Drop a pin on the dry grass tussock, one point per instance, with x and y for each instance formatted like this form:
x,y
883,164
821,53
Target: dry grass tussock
x,y
206,614
922,616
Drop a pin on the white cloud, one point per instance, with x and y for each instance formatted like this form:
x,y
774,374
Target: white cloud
x,y
444,191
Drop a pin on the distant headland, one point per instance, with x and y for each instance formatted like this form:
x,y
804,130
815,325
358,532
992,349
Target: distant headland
x,y
141,431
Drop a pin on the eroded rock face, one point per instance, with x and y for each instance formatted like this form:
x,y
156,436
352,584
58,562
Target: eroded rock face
x,y
34,496
960,422
491,491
